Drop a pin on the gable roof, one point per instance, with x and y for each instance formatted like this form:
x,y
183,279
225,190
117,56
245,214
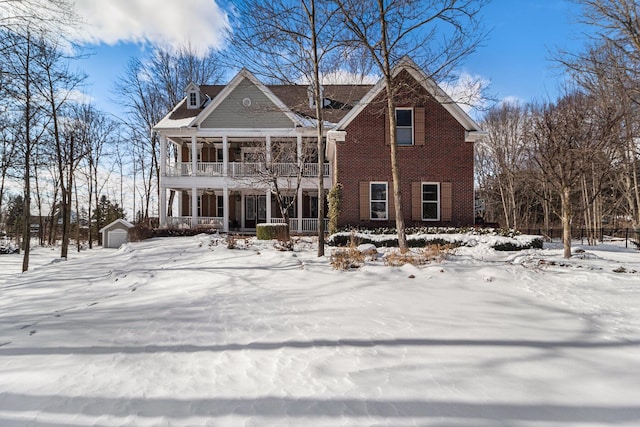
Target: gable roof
x,y
293,100
124,222
233,84
431,86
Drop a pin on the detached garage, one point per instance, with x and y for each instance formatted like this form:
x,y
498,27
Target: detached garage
x,y
116,233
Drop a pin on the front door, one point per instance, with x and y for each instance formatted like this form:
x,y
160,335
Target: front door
x,y
255,210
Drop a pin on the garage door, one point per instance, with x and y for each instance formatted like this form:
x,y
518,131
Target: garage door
x,y
117,238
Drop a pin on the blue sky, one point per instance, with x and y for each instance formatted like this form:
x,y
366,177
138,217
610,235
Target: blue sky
x,y
515,58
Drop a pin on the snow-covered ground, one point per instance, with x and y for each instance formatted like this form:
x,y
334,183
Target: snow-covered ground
x,y
180,331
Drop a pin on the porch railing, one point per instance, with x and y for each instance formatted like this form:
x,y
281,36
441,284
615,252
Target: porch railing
x,y
308,224
202,221
236,169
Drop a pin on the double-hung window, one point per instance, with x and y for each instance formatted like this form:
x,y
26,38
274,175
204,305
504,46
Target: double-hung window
x,y
378,200
430,201
404,126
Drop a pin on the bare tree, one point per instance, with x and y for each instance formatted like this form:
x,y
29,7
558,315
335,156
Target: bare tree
x,y
20,77
437,34
57,86
292,42
282,170
149,89
504,153
610,67
565,138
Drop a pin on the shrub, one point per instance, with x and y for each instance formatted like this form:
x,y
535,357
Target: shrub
x,y
515,245
334,198
430,253
348,258
271,232
140,232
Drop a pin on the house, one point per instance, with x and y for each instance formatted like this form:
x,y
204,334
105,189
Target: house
x,y
215,143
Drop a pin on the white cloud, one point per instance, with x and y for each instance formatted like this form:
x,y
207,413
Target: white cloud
x,y
467,91
166,23
508,100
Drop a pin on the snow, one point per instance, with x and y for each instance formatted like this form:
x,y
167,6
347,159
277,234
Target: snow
x,y
186,332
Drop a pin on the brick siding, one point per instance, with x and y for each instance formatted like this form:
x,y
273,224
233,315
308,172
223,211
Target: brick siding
x,y
445,157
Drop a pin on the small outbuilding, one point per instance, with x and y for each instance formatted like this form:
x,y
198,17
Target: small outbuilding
x,y
116,233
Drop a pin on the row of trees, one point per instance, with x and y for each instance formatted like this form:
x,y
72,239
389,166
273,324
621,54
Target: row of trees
x,y
59,155
575,160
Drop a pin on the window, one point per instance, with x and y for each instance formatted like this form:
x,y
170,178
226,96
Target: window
x,y
193,99
378,200
404,126
430,201
220,206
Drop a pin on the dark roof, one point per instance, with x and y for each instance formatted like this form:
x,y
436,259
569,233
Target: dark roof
x,y
340,99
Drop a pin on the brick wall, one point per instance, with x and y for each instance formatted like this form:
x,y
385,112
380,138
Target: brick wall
x,y
445,157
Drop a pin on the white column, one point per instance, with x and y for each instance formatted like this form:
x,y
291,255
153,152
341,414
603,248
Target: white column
x,y
163,205
299,209
225,158
163,191
225,209
299,148
268,205
194,155
194,207
268,148
163,155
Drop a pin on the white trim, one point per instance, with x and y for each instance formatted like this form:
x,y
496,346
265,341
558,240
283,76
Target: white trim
x,y
437,202
386,202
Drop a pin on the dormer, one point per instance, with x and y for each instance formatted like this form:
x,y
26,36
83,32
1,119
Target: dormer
x,y
193,96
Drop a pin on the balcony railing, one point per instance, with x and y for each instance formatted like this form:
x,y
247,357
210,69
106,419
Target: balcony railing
x,y
235,169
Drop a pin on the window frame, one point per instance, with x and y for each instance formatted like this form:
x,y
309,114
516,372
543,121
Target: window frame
x,y
437,202
193,99
385,201
220,206
411,127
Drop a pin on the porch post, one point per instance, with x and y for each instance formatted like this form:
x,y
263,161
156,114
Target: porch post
x,y
299,200
268,203
194,155
163,155
268,148
225,209
163,191
194,207
225,159
163,205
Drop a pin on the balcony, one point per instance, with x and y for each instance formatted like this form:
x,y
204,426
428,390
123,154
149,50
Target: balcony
x,y
239,170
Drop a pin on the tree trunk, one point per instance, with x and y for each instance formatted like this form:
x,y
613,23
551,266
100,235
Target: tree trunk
x,y
566,222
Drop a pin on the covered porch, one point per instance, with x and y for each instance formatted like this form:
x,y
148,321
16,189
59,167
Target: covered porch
x,y
240,210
